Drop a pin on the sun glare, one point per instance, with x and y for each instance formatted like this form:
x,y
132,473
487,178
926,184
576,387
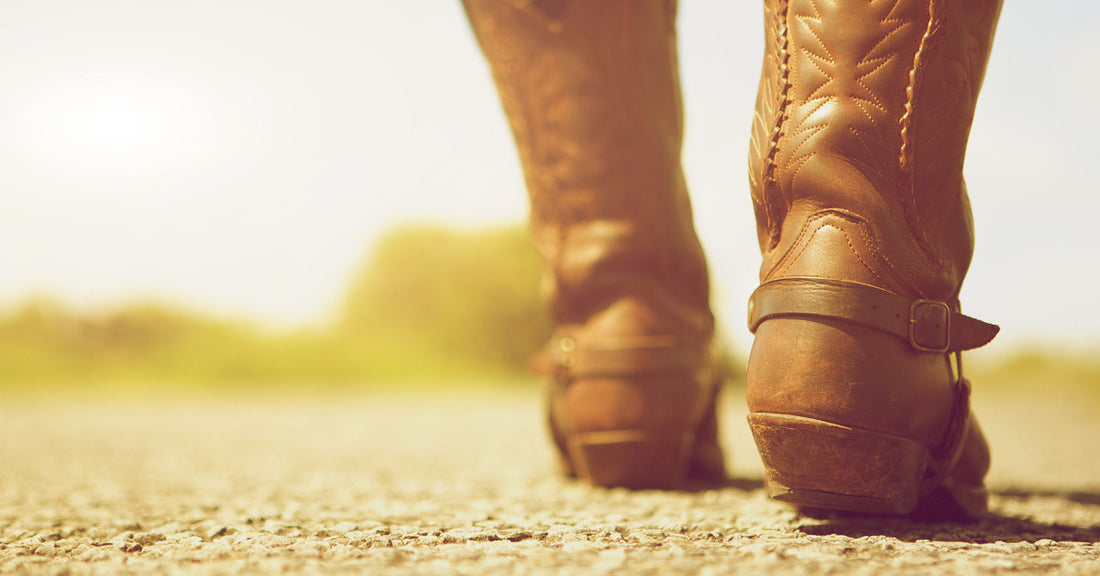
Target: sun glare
x,y
117,124
108,131
120,126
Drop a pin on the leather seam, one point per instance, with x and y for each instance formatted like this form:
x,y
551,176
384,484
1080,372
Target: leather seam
x,y
803,243
906,280
906,176
798,164
769,180
804,135
783,262
867,141
855,253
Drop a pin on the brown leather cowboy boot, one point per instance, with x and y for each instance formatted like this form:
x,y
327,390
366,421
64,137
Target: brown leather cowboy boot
x,y
591,91
862,120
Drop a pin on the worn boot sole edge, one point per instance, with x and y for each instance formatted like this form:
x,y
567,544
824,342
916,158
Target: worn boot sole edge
x,y
816,464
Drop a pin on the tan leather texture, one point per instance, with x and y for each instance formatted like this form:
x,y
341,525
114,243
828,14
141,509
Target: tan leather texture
x,y
866,106
593,99
591,92
856,170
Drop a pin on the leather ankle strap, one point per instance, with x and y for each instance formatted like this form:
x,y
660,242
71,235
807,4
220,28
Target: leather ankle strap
x,y
564,358
927,325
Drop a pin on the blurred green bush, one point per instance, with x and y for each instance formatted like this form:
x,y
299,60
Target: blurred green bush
x,y
473,295
428,304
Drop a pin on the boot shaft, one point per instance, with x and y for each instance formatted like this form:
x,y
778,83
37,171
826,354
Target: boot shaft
x,y
866,107
591,92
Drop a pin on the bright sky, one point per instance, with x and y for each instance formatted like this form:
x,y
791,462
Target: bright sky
x,y
242,155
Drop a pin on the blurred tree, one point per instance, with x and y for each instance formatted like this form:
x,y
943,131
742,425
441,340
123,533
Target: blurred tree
x,y
451,294
430,304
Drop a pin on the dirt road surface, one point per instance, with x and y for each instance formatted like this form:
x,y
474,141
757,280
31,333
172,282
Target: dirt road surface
x,y
464,483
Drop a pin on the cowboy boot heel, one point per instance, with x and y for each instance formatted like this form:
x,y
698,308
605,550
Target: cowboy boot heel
x,y
816,464
647,441
632,458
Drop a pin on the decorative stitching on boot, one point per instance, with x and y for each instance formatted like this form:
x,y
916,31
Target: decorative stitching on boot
x,y
783,262
770,183
905,155
809,230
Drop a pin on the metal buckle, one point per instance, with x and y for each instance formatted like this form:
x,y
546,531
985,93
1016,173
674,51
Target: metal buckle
x,y
567,346
946,326
563,369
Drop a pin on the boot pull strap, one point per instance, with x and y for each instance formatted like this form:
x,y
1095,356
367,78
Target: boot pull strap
x,y
927,325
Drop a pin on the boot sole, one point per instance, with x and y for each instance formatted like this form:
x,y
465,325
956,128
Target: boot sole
x,y
816,464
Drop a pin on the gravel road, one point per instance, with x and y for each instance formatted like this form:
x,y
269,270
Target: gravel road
x,y
464,483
